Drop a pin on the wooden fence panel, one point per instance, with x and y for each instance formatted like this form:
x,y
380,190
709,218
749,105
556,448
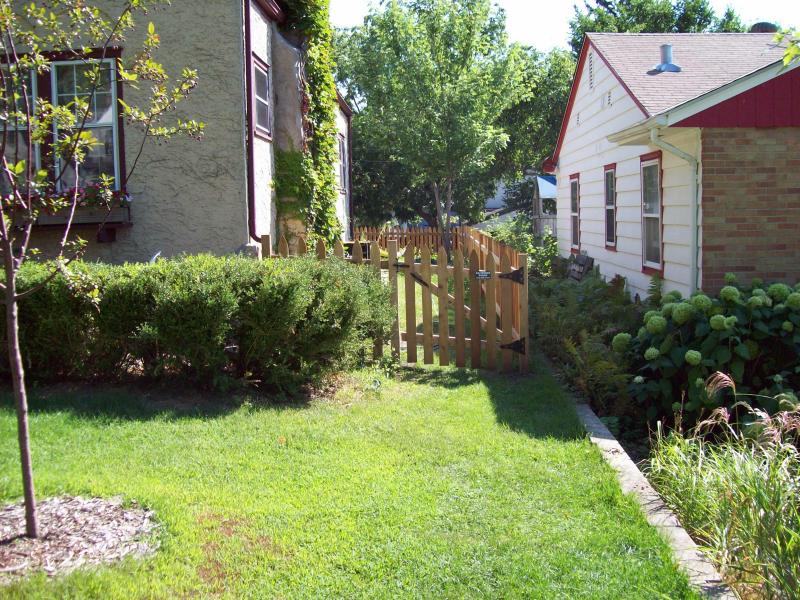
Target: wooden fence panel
x,y
524,333
506,317
491,316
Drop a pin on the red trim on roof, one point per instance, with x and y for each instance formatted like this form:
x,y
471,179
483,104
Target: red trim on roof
x,y
549,165
771,104
650,156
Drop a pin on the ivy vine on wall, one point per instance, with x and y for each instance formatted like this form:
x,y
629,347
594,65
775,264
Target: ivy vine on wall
x,y
313,180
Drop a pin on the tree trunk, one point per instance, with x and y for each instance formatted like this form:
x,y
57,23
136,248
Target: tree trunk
x,y
443,220
21,400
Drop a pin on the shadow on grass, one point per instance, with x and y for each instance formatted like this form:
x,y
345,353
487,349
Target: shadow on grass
x,y
534,404
142,402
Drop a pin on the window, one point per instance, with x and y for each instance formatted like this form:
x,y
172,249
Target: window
x,y
83,81
16,148
343,163
261,103
574,210
651,211
610,175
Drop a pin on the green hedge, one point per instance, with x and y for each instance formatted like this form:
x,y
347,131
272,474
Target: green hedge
x,y
280,323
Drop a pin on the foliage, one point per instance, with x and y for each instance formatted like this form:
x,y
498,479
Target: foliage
x,y
649,16
739,494
534,120
263,500
575,322
518,233
429,80
792,39
318,186
212,320
749,333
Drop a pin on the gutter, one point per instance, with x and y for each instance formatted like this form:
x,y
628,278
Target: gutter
x,y
657,141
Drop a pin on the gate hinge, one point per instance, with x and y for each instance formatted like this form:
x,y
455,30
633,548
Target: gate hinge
x,y
517,346
517,276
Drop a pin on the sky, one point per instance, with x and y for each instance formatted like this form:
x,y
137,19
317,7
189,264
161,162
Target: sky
x,y
545,25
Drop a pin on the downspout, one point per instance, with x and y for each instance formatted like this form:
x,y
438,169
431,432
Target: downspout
x,y
655,140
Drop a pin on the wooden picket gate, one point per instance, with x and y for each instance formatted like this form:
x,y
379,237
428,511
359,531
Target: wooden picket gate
x,y
485,316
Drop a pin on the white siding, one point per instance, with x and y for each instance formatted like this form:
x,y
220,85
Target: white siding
x,y
263,153
586,150
343,203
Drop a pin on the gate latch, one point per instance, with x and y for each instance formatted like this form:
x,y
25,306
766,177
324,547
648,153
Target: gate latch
x,y
517,346
517,276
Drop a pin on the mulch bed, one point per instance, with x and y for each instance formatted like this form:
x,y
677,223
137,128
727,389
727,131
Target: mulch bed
x,y
74,532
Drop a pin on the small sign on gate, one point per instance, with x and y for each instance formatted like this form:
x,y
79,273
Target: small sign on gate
x,y
482,275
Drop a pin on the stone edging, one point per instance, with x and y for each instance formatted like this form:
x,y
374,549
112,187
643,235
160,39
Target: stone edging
x,y
692,561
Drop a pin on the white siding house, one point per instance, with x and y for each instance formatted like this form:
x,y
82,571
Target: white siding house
x,y
626,182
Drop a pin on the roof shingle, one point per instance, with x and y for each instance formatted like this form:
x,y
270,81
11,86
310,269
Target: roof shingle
x,y
707,60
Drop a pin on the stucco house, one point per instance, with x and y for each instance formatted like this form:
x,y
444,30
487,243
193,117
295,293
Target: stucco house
x,y
679,154
217,195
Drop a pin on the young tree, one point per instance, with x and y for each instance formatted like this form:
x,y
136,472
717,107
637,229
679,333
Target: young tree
x,y
31,35
649,16
431,78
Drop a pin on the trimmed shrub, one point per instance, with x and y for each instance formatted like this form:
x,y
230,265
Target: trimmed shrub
x,y
281,323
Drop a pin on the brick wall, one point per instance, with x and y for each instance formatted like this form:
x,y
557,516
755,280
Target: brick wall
x,y
751,205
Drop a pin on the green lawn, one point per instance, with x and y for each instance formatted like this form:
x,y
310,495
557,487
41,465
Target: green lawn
x,y
437,484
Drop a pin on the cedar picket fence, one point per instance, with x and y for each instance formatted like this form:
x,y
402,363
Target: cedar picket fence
x,y
489,297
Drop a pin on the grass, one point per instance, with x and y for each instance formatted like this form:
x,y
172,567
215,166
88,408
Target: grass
x,y
435,484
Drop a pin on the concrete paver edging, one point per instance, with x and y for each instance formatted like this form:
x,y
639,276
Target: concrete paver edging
x,y
695,564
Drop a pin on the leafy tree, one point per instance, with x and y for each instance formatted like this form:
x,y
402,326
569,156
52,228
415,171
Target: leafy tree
x,y
534,120
649,16
429,80
30,35
792,39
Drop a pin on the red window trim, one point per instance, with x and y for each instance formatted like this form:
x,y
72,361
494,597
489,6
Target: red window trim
x,y
610,167
575,249
651,156
258,63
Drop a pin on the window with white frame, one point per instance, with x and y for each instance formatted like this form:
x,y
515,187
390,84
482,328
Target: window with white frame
x,y
261,102
574,210
15,124
343,162
651,213
610,178
92,83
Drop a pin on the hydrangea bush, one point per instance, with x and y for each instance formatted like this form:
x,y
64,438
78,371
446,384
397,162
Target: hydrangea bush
x,y
750,333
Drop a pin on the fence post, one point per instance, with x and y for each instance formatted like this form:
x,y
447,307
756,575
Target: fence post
x,y
321,250
427,307
338,249
458,277
411,305
266,246
506,315
302,247
393,285
358,255
283,247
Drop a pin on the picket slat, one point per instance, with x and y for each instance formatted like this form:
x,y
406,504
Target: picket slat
x,y
411,309
283,247
491,316
444,312
506,318
393,286
523,314
375,259
427,307
458,277
475,310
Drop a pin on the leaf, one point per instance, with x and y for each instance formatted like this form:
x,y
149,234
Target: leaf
x,y
737,370
702,330
151,28
708,345
678,355
722,355
743,351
